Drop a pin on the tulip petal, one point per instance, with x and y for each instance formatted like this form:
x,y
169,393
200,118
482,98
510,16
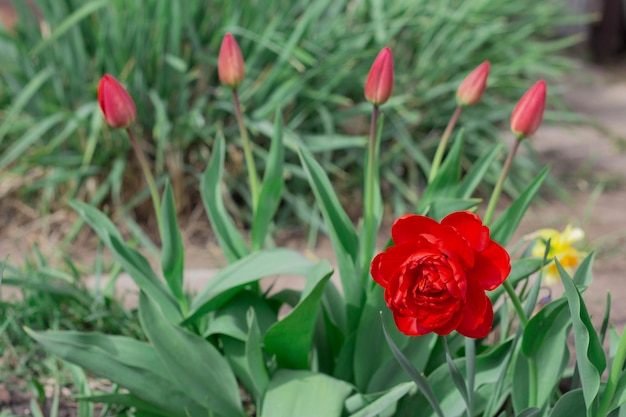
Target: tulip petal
x,y
477,315
470,227
491,267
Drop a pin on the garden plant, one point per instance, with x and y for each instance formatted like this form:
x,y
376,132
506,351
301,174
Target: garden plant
x,y
443,319
301,60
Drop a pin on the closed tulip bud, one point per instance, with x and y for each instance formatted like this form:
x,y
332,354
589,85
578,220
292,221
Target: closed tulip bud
x,y
230,66
379,84
116,104
528,112
473,86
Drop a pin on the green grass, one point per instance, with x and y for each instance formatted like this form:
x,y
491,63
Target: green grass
x,y
39,296
309,59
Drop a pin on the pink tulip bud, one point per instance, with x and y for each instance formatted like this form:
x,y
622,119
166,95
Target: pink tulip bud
x,y
116,104
379,84
473,86
230,66
528,112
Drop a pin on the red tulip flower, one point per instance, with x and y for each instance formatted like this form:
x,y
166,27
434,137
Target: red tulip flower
x,y
436,274
230,66
116,104
528,112
473,86
379,84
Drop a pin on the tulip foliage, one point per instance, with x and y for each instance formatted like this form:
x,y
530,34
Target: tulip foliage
x,y
441,322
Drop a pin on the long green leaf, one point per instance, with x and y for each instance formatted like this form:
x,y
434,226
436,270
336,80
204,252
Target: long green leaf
x,y
339,224
130,259
32,136
125,361
247,270
227,234
342,233
418,378
196,366
271,188
589,353
22,100
386,401
71,21
172,252
477,172
290,339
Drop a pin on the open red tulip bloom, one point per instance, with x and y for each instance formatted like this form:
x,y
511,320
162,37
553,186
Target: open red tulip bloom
x,y
116,104
473,86
230,65
528,112
436,275
379,84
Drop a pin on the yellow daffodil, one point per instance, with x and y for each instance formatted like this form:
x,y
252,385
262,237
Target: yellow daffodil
x,y
561,247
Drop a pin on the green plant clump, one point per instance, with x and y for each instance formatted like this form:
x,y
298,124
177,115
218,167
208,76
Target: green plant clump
x,y
306,59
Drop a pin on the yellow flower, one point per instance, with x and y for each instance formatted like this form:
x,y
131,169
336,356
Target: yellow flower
x,y
561,248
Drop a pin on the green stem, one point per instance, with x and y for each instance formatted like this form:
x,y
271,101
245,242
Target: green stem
x,y
614,376
247,151
145,167
517,304
369,190
497,190
443,143
470,365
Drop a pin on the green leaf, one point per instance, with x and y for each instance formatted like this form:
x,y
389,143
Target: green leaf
x,y
255,356
619,397
304,394
583,276
477,172
195,365
226,283
124,361
489,366
421,382
227,234
530,412
172,252
22,99
550,318
130,259
544,342
127,400
72,20
384,402
342,232
290,339
589,353
503,228
247,358
271,187
569,404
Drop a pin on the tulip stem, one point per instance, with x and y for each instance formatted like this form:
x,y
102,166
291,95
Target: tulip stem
x,y
369,209
145,167
247,151
497,190
443,143
517,304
